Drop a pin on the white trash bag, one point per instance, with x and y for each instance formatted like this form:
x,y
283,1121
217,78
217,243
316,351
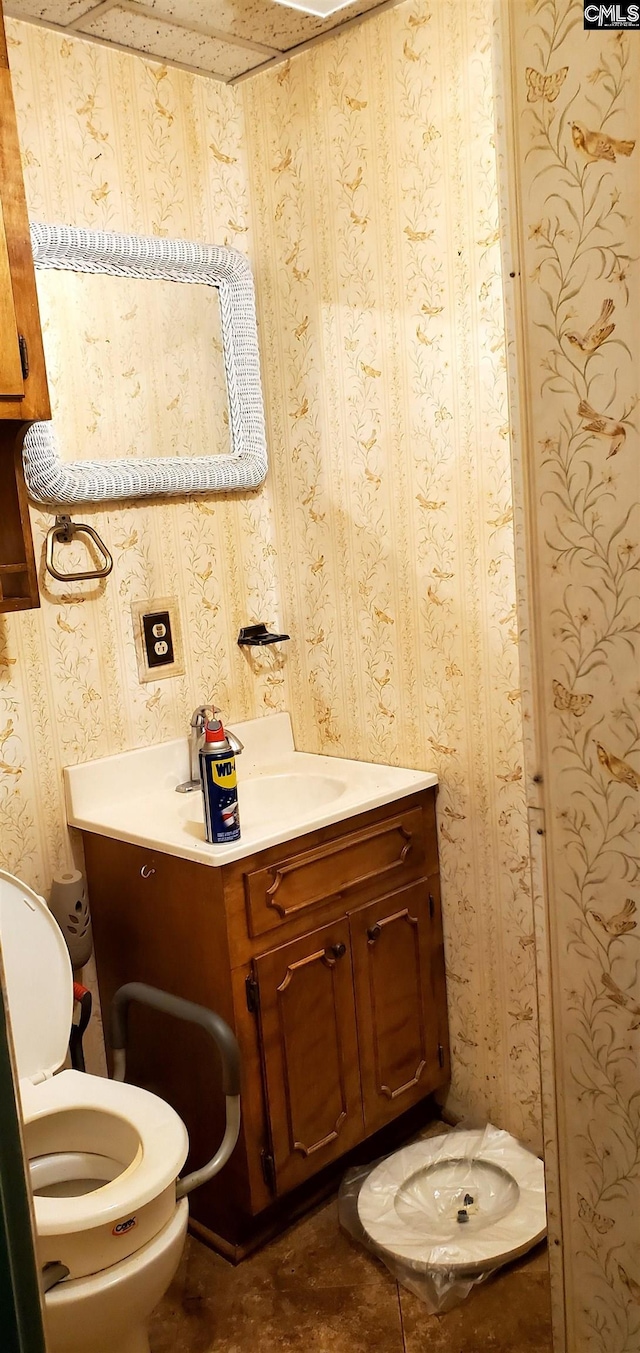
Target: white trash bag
x,y
445,1212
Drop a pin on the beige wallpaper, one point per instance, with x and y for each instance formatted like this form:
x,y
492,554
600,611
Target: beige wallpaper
x,y
111,142
383,541
576,126
175,405
375,230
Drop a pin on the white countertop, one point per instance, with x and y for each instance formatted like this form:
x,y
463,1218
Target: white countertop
x,y
282,793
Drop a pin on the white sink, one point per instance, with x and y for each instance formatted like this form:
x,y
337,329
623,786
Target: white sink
x,y
282,793
265,797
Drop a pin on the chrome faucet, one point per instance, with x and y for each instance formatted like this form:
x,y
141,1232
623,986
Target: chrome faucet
x,y
234,742
199,720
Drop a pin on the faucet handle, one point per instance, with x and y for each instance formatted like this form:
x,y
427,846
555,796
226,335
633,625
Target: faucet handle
x,y
200,716
199,719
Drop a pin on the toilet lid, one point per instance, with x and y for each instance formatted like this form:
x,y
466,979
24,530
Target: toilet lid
x,y
38,977
409,1205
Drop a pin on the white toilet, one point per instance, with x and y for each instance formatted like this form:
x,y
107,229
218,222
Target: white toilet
x,y
104,1156
454,1207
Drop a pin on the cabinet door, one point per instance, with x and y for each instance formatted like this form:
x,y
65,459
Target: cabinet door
x,y
310,1052
23,381
11,377
398,966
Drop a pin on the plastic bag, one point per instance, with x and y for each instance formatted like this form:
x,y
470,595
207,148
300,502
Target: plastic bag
x,y
446,1211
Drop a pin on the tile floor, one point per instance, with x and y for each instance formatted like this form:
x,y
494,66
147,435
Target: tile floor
x,y
313,1290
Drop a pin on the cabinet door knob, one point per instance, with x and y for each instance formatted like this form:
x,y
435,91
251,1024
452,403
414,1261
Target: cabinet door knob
x,y
146,871
338,950
373,933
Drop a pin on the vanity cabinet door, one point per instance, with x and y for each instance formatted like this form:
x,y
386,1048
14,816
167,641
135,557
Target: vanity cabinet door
x,y
310,1052
398,963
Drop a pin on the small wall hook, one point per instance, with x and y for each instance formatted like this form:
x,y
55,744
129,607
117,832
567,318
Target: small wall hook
x,y
256,636
64,530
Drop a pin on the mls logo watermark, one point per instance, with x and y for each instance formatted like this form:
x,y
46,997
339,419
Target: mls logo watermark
x,y
610,17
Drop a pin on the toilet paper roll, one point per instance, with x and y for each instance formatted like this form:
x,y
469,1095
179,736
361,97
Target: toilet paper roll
x,y
69,904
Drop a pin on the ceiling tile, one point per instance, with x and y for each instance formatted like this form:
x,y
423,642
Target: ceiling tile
x,y
170,42
261,21
62,12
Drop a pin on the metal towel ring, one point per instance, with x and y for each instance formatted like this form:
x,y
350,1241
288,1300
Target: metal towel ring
x,y
64,530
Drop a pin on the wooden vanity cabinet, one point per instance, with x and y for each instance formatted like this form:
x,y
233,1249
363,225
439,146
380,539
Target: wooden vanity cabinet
x,y
325,954
23,381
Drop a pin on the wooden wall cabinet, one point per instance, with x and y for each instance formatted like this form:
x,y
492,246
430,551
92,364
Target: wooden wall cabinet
x,y
18,571
23,381
325,954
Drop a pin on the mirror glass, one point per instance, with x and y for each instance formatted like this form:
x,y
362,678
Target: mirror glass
x,y
135,366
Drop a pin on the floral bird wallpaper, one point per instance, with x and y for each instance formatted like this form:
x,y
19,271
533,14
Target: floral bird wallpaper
x,y
361,180
115,143
576,122
377,254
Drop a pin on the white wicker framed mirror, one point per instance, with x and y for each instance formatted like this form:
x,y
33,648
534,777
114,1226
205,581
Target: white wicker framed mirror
x,y
54,480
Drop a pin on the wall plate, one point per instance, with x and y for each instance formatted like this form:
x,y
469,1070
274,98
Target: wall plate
x,y
157,633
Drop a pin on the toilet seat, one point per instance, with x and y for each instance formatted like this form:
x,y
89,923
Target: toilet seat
x,y
94,1109
142,1140
408,1205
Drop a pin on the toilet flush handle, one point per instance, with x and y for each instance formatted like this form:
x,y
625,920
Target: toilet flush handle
x,y
227,1046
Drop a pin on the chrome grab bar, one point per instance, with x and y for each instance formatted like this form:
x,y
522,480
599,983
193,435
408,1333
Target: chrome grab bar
x,y
64,530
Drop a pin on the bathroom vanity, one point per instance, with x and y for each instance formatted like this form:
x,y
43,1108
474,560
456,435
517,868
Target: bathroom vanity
x,y
320,944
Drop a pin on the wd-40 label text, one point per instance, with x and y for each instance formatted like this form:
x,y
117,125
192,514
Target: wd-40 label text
x,y
224,772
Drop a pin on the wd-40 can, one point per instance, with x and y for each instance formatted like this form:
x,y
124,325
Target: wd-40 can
x,y
219,786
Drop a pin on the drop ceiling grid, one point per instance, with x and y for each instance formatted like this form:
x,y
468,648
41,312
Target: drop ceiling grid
x,y
140,31
209,37
197,16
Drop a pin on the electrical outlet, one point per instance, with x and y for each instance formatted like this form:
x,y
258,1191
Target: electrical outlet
x,y
156,627
158,639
